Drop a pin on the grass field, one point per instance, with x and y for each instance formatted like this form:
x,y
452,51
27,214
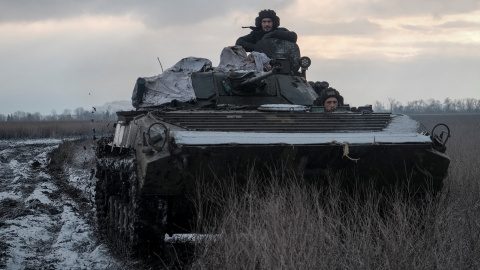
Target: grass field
x,y
296,226
53,129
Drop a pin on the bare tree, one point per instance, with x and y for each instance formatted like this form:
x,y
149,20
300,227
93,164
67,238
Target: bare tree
x,y
378,106
392,101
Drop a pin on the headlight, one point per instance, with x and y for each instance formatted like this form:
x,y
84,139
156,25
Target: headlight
x,y
305,62
157,136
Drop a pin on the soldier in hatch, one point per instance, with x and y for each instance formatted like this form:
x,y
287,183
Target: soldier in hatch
x,y
266,26
330,98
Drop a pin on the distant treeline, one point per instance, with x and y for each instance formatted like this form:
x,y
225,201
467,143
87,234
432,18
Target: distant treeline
x,y
467,105
79,114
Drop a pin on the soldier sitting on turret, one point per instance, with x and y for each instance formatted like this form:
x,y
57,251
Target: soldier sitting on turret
x,y
266,26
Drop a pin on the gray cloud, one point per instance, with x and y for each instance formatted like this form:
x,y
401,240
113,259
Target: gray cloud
x,y
416,28
447,25
460,24
435,8
153,13
59,69
362,81
355,27
180,12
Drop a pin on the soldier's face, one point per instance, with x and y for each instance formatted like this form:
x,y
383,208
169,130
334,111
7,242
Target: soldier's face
x,y
267,24
331,104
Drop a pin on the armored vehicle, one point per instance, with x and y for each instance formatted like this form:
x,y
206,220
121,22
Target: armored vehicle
x,y
232,119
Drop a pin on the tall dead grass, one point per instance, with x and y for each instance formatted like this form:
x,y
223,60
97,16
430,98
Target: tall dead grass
x,y
286,223
53,129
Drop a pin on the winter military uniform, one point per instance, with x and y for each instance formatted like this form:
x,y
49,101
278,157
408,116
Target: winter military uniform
x,y
326,94
248,42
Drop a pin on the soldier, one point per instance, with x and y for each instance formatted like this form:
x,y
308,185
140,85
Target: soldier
x,y
266,26
330,98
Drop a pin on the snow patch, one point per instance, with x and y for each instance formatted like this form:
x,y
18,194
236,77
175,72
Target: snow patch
x,y
401,129
73,245
9,195
13,143
42,227
40,193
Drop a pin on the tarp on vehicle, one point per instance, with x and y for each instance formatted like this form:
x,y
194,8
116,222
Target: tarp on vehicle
x,y
175,83
235,58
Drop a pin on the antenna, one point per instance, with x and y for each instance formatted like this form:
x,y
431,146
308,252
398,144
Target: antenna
x,y
160,63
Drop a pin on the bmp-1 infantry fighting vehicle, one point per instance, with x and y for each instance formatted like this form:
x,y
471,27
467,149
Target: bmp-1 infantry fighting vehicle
x,y
194,120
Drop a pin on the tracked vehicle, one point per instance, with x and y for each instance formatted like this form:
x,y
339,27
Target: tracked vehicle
x,y
237,120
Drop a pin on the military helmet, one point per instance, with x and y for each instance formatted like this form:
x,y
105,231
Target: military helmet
x,y
328,93
267,13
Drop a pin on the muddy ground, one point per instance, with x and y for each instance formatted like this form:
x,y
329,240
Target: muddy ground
x,y
46,213
47,210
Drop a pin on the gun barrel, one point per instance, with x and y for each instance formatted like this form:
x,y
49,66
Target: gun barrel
x,y
257,79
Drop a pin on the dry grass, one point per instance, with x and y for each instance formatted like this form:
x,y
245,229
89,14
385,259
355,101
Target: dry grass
x,y
53,129
272,225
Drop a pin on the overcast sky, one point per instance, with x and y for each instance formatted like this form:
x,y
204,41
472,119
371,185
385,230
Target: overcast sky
x,y
64,54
